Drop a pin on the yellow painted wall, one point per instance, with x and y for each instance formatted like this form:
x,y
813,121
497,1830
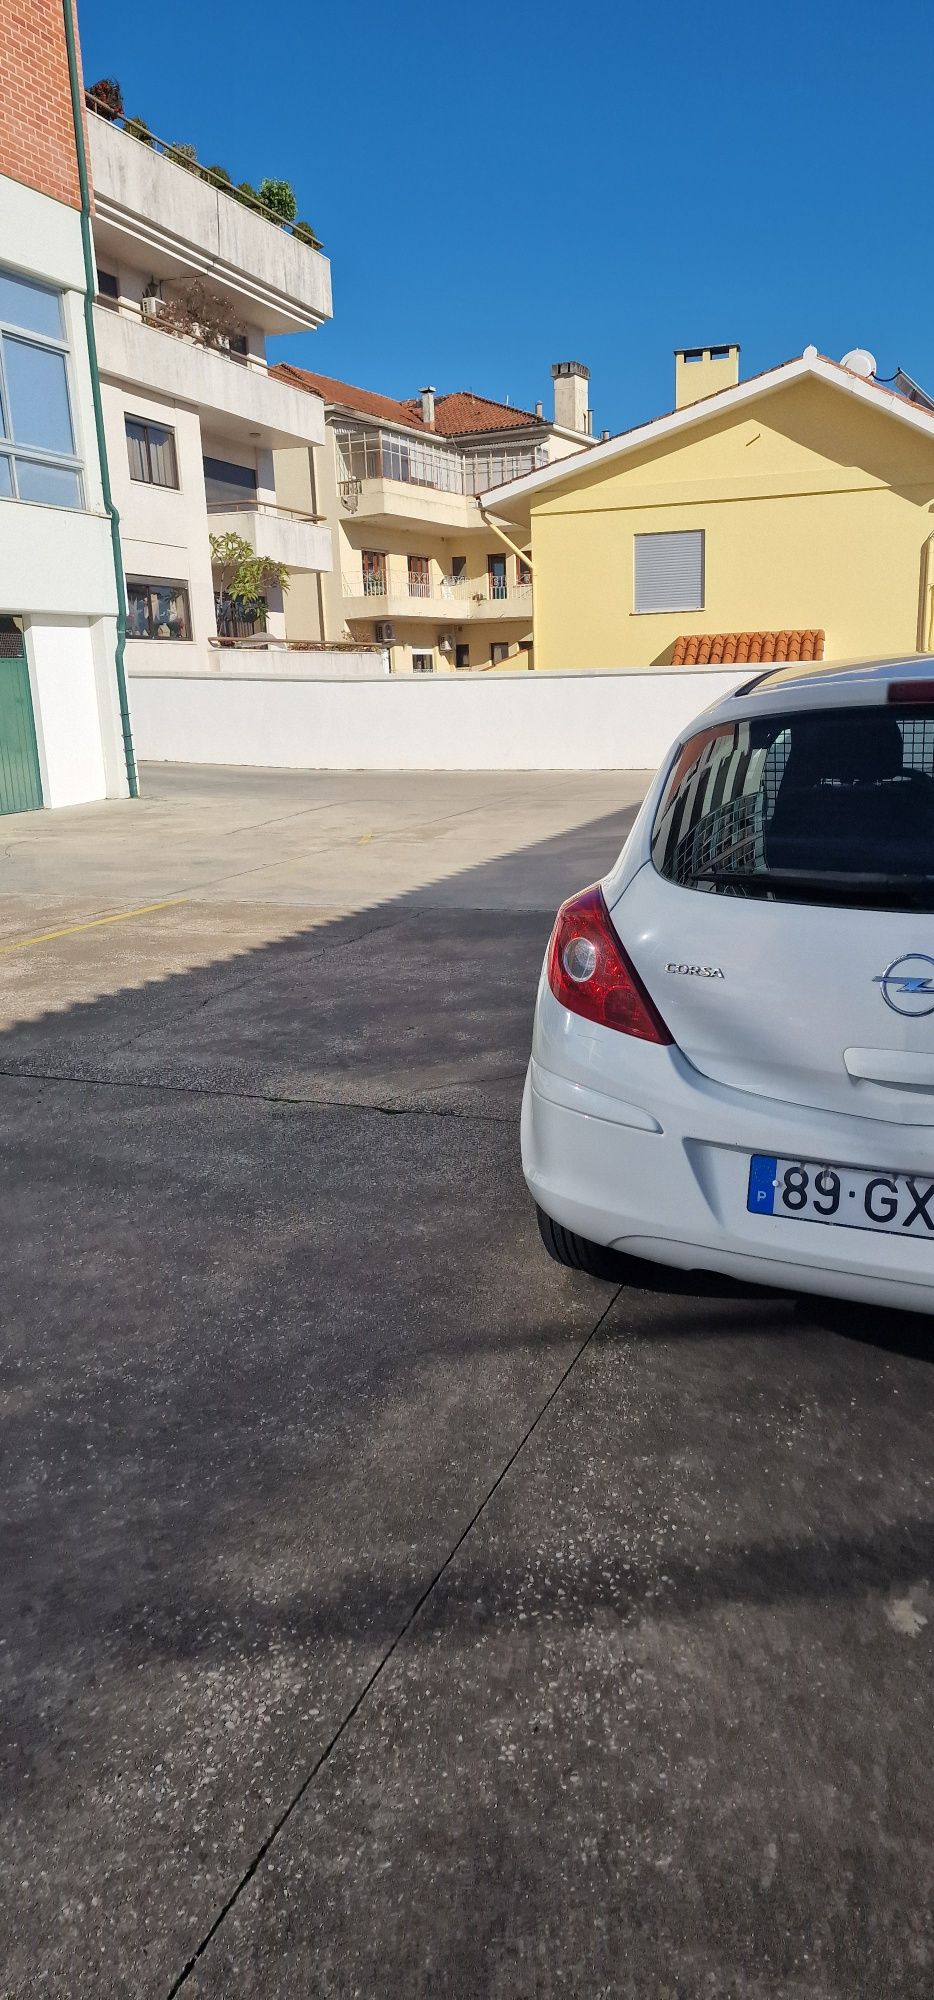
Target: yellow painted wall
x,y
815,510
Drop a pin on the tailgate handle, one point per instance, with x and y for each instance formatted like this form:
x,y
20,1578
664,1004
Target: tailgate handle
x,y
891,1066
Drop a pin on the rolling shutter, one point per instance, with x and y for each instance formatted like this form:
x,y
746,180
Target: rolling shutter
x,y
669,572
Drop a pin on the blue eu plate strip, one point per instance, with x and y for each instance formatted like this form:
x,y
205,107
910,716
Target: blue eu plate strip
x,y
761,1197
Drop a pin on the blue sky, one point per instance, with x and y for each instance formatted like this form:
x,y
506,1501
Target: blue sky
x,y
503,187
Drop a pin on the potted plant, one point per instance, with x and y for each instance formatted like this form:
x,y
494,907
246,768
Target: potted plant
x,y
279,196
105,97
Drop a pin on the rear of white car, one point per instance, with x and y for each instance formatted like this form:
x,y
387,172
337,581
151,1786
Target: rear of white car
x,y
733,1055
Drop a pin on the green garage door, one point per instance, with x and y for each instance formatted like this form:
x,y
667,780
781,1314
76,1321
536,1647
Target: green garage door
x,y
20,783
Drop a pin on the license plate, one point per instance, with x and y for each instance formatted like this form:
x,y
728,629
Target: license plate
x,y
850,1197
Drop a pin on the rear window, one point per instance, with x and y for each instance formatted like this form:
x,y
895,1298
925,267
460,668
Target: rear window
x,y
826,807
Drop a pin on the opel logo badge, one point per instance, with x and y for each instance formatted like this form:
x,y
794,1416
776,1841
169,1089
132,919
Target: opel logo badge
x,y
908,984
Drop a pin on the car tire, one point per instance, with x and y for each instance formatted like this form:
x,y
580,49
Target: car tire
x,y
577,1253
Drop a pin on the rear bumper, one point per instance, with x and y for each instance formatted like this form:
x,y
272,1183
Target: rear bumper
x,y
662,1173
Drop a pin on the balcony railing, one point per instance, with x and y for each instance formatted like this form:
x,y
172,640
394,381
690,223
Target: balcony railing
x,y
267,507
148,314
382,455
184,156
393,581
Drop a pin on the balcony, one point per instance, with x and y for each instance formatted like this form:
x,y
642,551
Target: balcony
x,y
386,476
151,210
395,593
255,407
300,541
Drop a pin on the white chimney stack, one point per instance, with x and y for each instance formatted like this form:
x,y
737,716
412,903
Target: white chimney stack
x,y
571,397
428,408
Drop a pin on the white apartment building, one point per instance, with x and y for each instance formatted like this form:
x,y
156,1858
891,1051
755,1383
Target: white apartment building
x,y
417,567
193,417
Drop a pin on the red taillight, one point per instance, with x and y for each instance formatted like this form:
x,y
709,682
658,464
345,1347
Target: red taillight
x,y
589,972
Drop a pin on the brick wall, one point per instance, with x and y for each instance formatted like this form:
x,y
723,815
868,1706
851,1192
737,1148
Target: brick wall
x,y
37,139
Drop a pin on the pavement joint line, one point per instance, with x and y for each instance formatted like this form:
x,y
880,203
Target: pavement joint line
x,y
93,924
386,1109
368,1686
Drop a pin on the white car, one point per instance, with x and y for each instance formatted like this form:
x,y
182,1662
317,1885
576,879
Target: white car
x,y
733,1056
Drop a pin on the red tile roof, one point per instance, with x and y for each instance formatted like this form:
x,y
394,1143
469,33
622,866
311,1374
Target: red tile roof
x,y
460,413
727,649
366,401
457,414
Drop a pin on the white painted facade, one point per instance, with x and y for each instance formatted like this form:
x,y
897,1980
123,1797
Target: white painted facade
x,y
156,228
495,722
56,563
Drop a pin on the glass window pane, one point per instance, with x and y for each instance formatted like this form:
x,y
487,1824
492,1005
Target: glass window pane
x,y
30,306
170,611
38,395
136,448
6,480
223,481
162,456
56,485
137,611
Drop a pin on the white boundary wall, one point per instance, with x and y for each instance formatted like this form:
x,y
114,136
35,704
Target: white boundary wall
x,y
493,722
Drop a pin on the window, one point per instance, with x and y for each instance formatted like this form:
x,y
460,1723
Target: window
x,y
458,566
38,460
496,574
461,657
237,348
157,610
228,485
827,807
523,574
151,449
669,571
374,573
419,576
423,663
108,290
499,651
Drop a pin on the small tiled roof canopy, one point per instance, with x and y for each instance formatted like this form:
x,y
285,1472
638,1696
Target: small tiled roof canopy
x,y
728,649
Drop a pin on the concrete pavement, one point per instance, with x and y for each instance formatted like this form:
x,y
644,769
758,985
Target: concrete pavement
x,y
385,1610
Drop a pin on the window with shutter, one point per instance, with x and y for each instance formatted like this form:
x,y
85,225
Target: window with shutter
x,y
669,571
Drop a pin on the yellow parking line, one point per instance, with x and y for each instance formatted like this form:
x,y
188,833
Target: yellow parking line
x,y
119,917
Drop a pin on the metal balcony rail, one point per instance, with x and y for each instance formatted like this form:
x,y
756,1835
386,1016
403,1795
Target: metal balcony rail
x,y
382,455
393,581
134,128
268,507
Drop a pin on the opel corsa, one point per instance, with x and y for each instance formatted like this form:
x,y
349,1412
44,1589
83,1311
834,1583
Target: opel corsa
x,y
733,1055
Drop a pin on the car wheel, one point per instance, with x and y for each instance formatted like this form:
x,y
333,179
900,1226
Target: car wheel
x,y
577,1253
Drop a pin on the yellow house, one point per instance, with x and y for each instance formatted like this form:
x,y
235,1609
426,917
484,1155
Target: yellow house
x,y
792,513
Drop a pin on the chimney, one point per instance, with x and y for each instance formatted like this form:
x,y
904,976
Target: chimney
x,y
571,397
701,371
538,411
428,408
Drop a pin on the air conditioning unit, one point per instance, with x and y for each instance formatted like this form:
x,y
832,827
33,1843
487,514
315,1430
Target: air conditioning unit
x,y
445,642
385,633
151,307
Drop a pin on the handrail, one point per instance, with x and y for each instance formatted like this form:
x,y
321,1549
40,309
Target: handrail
x,y
170,152
263,507
265,641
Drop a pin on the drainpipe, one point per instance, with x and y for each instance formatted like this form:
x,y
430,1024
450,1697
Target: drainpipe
x,y
494,530
89,291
